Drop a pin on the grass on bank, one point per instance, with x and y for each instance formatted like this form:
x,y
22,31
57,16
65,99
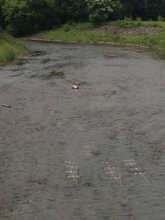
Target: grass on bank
x,y
82,33
9,48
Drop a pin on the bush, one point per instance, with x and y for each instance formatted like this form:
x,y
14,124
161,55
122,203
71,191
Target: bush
x,y
138,19
9,48
160,18
27,16
127,24
99,10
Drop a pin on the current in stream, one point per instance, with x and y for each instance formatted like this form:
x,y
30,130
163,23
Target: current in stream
x,y
93,153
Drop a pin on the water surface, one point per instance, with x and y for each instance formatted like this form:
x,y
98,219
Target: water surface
x,y
111,130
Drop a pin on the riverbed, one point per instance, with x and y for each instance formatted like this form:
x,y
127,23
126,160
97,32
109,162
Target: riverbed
x,y
93,153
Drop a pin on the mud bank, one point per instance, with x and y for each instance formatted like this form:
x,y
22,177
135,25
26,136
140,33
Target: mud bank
x,y
111,130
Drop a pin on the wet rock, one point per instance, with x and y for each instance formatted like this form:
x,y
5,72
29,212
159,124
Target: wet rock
x,y
75,87
56,74
114,91
128,31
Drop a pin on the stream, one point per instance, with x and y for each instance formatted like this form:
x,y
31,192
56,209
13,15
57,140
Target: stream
x,y
93,153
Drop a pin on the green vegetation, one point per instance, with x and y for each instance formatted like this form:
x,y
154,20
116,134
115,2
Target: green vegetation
x,y
82,33
99,11
22,17
68,21
9,48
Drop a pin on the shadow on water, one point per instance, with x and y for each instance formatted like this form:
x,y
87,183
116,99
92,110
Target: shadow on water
x,y
159,55
17,75
20,62
53,74
47,60
37,53
79,83
154,53
56,74
116,55
110,56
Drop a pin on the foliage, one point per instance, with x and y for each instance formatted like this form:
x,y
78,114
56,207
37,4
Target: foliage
x,y
70,10
160,18
9,48
127,24
117,8
26,16
1,13
16,15
156,5
99,10
22,17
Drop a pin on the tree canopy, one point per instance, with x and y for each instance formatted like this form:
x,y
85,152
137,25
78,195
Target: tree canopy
x,y
22,17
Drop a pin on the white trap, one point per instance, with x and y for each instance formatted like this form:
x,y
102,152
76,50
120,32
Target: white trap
x,y
72,172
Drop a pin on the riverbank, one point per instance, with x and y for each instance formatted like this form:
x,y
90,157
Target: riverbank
x,y
133,33
130,33
9,48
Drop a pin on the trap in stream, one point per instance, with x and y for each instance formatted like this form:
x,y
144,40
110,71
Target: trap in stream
x,y
72,172
113,172
110,171
132,168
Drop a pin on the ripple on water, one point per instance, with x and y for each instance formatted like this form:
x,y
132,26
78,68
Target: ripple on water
x,y
47,125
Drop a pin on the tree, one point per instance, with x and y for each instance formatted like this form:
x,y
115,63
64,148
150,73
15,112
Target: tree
x,y
40,15
117,8
17,15
134,8
27,16
163,9
2,19
70,10
155,8
99,10
79,10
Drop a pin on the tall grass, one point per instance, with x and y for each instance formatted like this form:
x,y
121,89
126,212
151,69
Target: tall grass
x,y
82,32
9,48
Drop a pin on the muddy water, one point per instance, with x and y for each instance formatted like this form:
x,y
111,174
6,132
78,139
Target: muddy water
x,y
111,132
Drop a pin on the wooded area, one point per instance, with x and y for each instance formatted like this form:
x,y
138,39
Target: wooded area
x,y
21,17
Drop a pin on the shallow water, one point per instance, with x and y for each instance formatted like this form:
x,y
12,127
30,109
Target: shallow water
x,y
111,130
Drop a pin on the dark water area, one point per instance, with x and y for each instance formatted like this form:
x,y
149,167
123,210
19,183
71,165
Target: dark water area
x,y
89,154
